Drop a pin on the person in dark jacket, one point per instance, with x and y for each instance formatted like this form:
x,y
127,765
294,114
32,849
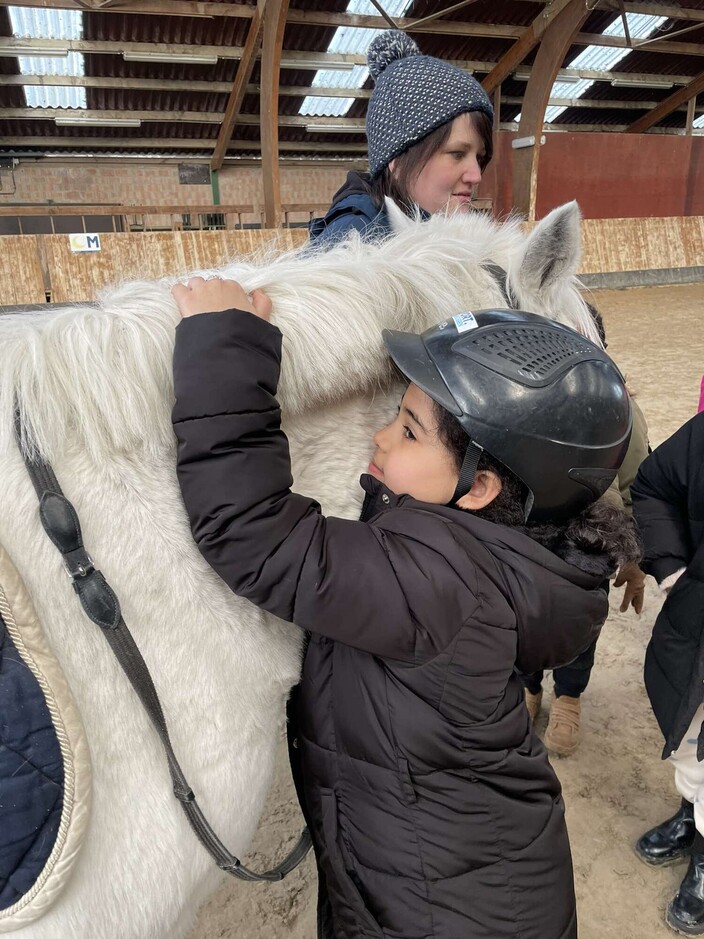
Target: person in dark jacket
x,y
433,809
429,131
563,732
668,502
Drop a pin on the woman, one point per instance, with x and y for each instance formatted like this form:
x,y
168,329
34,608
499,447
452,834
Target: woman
x,y
429,129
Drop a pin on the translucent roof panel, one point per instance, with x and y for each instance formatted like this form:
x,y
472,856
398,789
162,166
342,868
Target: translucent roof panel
x,y
640,26
28,23
699,121
348,40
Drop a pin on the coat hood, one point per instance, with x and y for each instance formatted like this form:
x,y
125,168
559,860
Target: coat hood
x,y
355,184
559,604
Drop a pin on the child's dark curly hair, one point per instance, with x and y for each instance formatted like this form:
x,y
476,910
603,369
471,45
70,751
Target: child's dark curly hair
x,y
601,529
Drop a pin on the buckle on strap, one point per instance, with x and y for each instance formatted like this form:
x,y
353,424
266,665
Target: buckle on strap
x,y
81,566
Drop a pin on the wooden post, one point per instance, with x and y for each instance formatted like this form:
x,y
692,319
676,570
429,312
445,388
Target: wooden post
x,y
691,112
519,50
239,88
556,40
497,112
272,44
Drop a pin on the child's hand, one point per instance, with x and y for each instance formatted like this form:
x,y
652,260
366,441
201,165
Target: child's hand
x,y
217,295
634,579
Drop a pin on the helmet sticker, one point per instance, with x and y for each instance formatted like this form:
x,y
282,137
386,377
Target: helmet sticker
x,y
464,322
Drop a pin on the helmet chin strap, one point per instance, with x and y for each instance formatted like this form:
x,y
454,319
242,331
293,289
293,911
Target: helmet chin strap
x,y
467,472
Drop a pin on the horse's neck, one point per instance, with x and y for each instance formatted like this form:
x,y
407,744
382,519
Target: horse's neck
x,y
332,446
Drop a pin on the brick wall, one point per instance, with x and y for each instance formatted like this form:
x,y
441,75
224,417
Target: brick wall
x,y
140,184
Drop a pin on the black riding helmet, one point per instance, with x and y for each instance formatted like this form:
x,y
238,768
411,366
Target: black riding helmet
x,y
539,397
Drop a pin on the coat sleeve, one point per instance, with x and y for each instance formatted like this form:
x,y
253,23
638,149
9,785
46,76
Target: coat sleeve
x,y
274,547
660,505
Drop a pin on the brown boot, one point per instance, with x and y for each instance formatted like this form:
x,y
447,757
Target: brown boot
x,y
563,731
533,702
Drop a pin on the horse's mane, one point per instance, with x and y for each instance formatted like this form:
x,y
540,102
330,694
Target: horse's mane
x,y
100,377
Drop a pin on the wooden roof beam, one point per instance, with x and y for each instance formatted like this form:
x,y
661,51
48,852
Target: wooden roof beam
x,y
525,44
159,84
670,104
171,143
556,40
316,60
239,89
322,17
344,124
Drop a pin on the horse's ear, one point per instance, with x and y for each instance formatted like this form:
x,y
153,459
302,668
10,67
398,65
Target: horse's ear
x,y
552,250
397,217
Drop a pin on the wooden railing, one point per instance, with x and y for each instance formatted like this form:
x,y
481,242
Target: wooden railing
x,y
126,218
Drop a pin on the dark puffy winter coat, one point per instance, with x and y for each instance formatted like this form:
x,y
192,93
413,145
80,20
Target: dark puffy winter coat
x,y
433,807
668,503
352,209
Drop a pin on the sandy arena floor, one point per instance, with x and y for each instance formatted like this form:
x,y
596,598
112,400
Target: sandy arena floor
x,y
615,785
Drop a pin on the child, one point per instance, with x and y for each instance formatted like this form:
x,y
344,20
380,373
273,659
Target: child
x,y
433,809
668,496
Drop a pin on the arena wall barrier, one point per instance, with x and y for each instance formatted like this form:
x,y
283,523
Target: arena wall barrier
x,y
39,268
629,252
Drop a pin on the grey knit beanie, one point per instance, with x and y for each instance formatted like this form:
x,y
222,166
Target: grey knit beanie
x,y
412,96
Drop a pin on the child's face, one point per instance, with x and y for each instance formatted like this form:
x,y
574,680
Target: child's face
x,y
410,457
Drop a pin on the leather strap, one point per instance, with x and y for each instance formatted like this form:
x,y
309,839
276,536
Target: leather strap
x,y
501,278
468,471
60,521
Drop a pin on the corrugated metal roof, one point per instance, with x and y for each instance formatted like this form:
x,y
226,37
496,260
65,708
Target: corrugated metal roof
x,y
601,57
205,88
29,23
347,39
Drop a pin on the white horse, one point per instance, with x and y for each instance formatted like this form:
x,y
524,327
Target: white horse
x,y
95,386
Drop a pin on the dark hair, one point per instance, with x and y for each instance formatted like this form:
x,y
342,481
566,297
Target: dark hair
x,y
600,529
409,165
598,322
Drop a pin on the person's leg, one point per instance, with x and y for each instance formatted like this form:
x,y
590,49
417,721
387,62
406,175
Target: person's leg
x,y
671,840
562,734
533,691
686,911
572,679
533,683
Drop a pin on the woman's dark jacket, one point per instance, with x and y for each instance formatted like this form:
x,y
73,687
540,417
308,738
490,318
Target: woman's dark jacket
x,y
433,807
668,503
352,209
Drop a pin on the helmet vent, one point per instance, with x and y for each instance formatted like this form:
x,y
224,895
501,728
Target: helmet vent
x,y
533,354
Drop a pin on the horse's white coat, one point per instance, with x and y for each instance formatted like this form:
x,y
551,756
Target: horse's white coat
x,y
95,385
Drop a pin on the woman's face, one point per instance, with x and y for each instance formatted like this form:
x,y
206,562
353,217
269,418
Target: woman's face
x,y
449,178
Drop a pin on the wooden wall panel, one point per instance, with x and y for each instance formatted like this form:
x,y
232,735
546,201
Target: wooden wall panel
x,y
151,255
21,278
608,246
637,244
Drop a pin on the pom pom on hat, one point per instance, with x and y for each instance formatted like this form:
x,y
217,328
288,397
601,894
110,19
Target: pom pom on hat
x,y
387,47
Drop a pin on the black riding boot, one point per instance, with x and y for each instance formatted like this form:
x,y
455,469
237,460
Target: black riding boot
x,y
685,913
670,840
